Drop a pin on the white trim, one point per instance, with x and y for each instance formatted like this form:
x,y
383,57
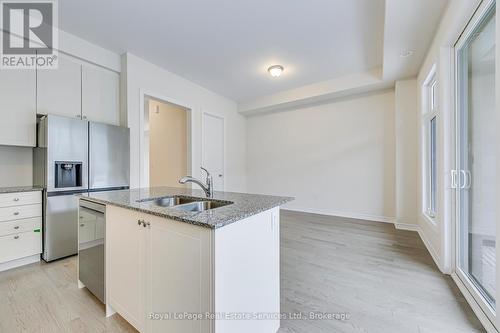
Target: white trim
x,y
474,305
19,262
407,226
431,250
357,216
203,113
143,175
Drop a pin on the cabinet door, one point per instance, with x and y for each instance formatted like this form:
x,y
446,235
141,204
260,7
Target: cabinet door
x,y
18,107
100,95
59,90
125,269
178,274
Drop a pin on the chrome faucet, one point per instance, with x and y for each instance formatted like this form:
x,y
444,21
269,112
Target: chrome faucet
x,y
208,187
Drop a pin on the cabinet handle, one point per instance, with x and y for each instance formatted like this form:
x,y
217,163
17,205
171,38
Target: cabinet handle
x,y
84,117
16,213
16,227
16,199
82,225
145,224
78,116
139,222
16,237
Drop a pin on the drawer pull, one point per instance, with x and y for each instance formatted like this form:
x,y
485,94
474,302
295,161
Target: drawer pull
x,y
16,213
16,227
16,199
16,237
82,225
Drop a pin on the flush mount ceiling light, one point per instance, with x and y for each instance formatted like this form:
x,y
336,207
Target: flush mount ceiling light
x,y
406,53
275,70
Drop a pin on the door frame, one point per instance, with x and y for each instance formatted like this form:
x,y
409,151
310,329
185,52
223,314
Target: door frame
x,y
487,315
146,95
207,113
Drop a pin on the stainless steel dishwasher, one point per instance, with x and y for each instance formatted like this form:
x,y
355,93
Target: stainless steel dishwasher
x,y
91,247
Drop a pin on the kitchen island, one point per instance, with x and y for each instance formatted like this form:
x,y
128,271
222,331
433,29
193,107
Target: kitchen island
x,y
179,262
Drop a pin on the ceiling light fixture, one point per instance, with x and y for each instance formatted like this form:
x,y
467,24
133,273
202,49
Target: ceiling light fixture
x,y
275,70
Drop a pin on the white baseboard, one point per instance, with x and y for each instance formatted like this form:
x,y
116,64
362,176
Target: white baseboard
x,y
358,216
407,226
19,262
431,250
473,304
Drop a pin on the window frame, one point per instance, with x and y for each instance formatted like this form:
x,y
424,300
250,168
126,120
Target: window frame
x,y
430,146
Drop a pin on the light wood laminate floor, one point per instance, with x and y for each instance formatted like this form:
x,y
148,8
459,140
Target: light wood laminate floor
x,y
383,278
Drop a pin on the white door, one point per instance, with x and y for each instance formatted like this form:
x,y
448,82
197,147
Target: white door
x,y
213,148
477,159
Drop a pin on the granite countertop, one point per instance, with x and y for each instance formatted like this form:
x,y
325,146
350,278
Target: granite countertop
x,y
15,189
244,205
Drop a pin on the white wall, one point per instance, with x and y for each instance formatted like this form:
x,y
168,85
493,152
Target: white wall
x,y
16,166
336,158
143,77
406,114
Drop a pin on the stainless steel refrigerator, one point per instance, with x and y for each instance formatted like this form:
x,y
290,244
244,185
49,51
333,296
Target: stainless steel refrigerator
x,y
75,156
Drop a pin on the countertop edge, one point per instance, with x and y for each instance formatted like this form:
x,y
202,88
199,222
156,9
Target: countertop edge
x,y
185,220
20,189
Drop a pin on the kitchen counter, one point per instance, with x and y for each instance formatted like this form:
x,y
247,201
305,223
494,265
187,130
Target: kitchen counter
x,y
17,189
243,206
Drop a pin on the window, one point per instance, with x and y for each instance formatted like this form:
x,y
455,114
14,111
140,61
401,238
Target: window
x,y
430,137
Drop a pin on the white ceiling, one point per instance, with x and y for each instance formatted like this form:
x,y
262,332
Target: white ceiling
x,y
227,45
409,26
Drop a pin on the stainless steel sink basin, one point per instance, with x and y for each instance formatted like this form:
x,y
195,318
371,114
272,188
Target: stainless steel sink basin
x,y
170,201
200,206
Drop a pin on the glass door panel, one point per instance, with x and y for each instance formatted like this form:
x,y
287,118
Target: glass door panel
x,y
477,160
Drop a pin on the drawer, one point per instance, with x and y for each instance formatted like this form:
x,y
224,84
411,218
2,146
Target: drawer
x,y
20,245
17,226
20,198
20,212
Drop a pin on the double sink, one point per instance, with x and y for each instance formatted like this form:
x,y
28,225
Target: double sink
x,y
187,204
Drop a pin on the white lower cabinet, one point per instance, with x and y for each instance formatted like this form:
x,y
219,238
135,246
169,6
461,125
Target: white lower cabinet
x,y
20,245
20,229
126,265
178,276
166,276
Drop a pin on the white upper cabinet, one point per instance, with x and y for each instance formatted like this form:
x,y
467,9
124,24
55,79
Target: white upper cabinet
x,y
18,107
60,90
100,95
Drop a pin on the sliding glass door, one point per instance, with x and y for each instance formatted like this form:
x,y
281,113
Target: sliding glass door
x,y
477,161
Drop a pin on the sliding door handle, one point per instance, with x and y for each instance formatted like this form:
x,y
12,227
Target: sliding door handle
x,y
454,179
464,176
468,179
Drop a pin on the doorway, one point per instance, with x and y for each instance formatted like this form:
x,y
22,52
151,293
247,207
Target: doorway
x,y
476,171
166,144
